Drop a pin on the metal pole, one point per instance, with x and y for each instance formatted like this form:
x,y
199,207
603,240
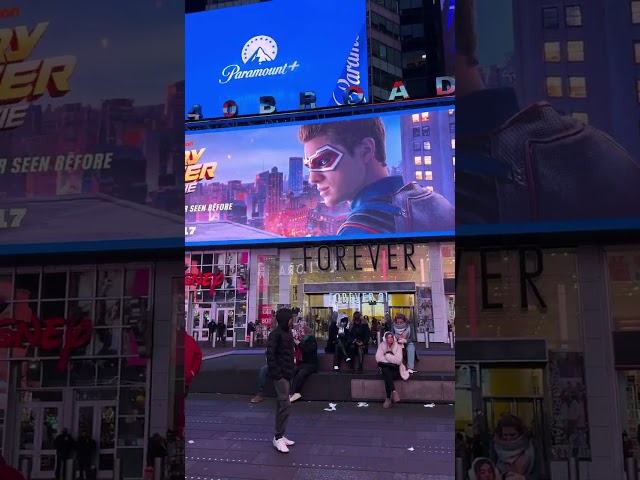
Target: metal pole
x,y
451,340
459,469
632,468
426,338
573,468
379,336
69,474
158,468
213,339
25,468
234,338
117,473
251,335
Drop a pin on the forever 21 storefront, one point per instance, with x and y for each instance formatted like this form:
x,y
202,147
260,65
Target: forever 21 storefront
x,y
377,279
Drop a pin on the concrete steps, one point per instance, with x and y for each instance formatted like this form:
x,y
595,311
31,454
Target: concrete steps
x,y
438,361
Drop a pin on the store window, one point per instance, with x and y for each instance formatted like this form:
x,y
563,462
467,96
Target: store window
x,y
105,312
624,286
520,293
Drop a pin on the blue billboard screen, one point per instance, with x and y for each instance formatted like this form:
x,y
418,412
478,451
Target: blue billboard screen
x,y
374,176
281,49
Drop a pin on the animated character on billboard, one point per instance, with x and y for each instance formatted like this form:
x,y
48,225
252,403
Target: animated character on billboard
x,y
533,164
347,163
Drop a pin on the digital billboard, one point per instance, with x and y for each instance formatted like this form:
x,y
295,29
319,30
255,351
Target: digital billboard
x,y
536,151
87,151
370,176
282,55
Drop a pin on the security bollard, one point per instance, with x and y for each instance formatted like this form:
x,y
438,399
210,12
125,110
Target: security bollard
x,y
234,339
69,473
632,468
426,339
117,472
251,335
452,341
573,468
158,468
459,469
379,336
213,341
25,468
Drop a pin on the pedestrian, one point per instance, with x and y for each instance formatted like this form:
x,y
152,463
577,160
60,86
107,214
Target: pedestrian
x,y
64,450
85,451
213,328
262,379
7,472
192,361
222,332
281,368
307,366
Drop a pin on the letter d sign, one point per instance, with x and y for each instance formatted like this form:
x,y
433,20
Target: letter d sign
x,y
445,86
267,105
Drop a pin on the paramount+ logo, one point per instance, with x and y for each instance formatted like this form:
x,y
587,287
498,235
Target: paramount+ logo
x,y
9,12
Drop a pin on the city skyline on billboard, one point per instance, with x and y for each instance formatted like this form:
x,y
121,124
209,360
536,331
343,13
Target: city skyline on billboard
x,y
79,144
554,155
270,63
369,176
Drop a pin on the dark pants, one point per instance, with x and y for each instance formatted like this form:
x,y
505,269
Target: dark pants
x,y
390,372
262,379
302,374
186,390
341,352
84,470
359,351
60,467
282,387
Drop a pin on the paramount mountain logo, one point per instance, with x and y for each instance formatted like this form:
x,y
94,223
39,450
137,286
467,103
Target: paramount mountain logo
x,y
258,50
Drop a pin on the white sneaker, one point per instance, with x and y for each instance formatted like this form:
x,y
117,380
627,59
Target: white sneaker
x,y
281,445
348,360
411,371
336,368
294,397
288,442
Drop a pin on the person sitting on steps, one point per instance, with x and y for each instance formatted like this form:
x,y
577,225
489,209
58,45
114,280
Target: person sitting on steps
x,y
307,366
359,340
342,343
403,333
389,358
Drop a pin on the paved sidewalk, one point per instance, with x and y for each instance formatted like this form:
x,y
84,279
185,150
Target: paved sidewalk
x,y
229,438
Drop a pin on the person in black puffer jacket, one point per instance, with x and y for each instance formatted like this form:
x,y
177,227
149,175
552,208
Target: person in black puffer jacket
x,y
281,368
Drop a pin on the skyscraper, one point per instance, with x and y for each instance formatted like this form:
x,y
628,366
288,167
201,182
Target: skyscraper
x,y
295,175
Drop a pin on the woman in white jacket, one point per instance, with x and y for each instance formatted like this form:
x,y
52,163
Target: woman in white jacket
x,y
389,358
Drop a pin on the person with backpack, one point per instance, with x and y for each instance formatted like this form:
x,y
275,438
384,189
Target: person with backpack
x,y
347,162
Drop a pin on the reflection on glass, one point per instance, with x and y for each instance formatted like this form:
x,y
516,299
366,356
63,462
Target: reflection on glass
x,y
108,371
131,432
50,427
108,428
85,420
105,462
110,283
54,285
27,428
107,313
137,282
132,401
82,284
47,463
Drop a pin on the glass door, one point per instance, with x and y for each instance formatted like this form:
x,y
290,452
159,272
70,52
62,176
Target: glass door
x,y
320,321
227,315
201,331
98,420
39,427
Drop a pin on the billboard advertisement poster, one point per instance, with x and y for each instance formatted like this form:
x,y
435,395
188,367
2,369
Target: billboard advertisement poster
x,y
85,158
282,55
387,175
546,160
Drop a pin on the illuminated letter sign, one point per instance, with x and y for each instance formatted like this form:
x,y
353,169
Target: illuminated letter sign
x,y
445,86
194,172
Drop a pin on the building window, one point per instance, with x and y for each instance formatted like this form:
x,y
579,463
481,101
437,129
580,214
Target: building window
x,y
550,17
453,160
573,16
417,146
554,87
415,118
426,131
452,128
417,160
427,159
552,52
428,175
416,131
418,175
581,116
426,145
452,112
578,87
575,51
636,52
425,116
635,12
453,143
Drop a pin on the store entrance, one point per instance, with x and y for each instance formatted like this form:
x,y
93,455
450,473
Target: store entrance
x,y
97,419
320,320
40,424
227,315
201,318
